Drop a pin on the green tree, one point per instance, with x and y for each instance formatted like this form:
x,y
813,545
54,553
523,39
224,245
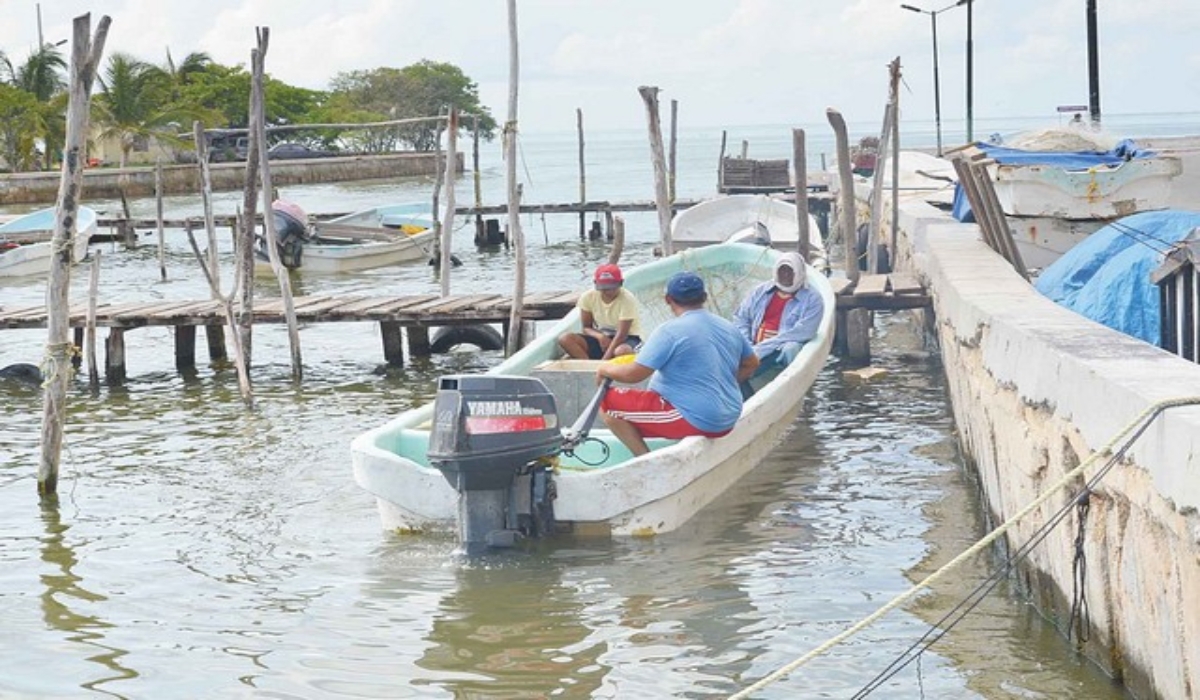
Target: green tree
x,y
20,115
42,77
423,89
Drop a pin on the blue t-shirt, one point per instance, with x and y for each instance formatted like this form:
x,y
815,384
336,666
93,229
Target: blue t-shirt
x,y
695,357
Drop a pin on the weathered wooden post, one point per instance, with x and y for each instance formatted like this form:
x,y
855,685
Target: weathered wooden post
x,y
671,152
480,230
90,335
721,164
439,173
582,177
517,236
448,219
245,240
185,336
258,58
847,215
213,333
800,176
661,194
853,326
618,241
895,97
158,210
85,57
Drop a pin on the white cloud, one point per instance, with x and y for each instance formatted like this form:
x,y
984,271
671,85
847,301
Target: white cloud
x,y
726,61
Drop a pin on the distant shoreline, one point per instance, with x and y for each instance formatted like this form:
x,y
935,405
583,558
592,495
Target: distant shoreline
x,y
101,183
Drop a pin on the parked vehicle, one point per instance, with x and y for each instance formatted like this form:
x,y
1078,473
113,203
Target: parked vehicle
x,y
289,150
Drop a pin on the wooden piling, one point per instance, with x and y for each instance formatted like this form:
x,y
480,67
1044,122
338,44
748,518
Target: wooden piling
x,y
418,341
848,214
671,151
516,235
800,176
257,94
582,174
661,194
480,229
90,328
393,343
114,356
448,219
185,348
618,241
85,59
158,216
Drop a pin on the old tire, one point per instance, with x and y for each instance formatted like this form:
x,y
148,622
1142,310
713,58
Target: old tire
x,y
481,336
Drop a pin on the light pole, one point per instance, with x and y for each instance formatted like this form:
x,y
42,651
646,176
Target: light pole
x,y
937,91
970,69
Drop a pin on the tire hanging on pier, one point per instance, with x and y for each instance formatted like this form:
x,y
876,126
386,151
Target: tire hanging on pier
x,y
481,336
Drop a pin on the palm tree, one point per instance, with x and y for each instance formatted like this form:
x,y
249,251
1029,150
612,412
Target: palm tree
x,y
135,104
42,73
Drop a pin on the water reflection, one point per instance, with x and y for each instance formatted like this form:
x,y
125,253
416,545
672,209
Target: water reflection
x,y
504,632
64,588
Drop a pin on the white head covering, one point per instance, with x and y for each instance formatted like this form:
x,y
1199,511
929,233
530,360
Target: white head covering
x,y
799,277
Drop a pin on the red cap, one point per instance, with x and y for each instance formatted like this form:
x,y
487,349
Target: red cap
x,y
608,277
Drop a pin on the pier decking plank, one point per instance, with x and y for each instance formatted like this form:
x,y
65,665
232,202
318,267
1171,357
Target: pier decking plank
x,y
414,310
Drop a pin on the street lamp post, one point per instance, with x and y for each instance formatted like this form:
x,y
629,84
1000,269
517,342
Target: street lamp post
x,y
970,69
937,91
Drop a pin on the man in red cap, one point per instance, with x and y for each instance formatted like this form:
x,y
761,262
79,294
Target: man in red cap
x,y
609,317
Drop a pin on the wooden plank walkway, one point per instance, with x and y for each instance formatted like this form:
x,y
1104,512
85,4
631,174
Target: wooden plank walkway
x,y
422,310
889,292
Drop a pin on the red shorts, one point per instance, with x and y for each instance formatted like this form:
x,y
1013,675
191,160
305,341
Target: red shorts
x,y
653,415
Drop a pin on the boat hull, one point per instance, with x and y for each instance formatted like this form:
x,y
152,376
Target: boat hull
x,y
367,239
34,258
654,493
325,258
736,218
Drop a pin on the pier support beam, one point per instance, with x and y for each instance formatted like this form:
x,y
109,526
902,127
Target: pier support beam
x,y
77,353
114,356
185,347
214,333
418,341
393,345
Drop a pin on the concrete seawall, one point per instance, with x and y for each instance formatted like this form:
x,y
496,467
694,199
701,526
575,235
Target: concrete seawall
x,y
105,183
1035,390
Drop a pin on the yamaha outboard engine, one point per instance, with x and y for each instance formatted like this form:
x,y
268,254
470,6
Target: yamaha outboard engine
x,y
291,233
491,436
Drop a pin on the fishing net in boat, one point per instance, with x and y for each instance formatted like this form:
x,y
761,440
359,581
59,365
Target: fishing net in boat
x,y
1072,139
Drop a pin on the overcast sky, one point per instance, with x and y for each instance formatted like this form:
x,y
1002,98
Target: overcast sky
x,y
728,62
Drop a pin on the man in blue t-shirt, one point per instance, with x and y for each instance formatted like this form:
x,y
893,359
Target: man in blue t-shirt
x,y
697,360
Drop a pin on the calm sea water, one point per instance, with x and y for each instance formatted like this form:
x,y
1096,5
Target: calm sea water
x,y
198,550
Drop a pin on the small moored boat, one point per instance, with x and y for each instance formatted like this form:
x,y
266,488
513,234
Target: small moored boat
x,y
25,242
596,484
366,239
746,218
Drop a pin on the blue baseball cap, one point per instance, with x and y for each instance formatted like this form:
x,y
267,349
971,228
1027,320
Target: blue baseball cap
x,y
685,287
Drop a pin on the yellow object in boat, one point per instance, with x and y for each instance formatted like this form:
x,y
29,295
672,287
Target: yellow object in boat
x,y
623,359
412,229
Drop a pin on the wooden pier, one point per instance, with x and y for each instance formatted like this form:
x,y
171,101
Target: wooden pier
x,y
411,315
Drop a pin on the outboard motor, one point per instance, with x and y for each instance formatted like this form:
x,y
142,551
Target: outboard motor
x,y
491,436
291,233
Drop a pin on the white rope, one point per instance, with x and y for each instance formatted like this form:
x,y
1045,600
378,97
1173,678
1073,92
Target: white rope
x,y
991,537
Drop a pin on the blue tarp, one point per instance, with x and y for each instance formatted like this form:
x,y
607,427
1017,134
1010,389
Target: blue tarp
x,y
1106,277
1067,160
